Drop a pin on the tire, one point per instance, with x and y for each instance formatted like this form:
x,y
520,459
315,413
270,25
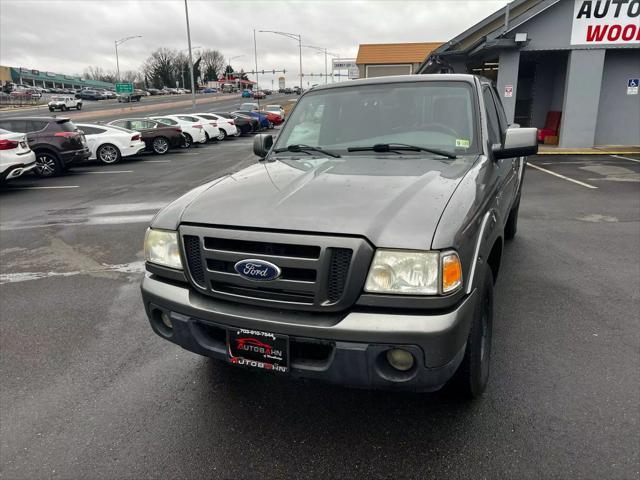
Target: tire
x,y
160,145
79,106
51,109
270,126
511,228
222,135
206,137
188,140
471,378
47,165
108,154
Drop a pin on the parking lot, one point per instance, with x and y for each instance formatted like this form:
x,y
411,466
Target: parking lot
x,y
88,387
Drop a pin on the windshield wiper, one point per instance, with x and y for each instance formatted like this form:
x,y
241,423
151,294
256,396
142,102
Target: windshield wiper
x,y
391,147
300,147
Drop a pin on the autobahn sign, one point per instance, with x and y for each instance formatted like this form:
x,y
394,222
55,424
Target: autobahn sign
x,y
126,88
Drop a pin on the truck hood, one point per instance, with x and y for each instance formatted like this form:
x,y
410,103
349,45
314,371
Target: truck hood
x,y
392,201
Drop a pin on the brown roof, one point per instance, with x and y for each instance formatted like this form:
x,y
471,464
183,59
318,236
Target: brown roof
x,y
390,53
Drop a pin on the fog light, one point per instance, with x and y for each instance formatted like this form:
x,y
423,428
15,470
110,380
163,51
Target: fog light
x,y
400,359
166,320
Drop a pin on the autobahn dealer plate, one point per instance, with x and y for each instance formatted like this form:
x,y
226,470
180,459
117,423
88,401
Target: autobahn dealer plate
x,y
256,349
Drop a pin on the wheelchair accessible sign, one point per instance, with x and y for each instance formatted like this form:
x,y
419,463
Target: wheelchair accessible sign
x,y
632,86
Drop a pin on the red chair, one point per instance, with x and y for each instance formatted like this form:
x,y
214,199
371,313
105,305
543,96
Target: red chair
x,y
551,126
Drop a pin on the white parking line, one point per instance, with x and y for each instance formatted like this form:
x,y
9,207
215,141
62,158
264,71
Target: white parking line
x,y
626,158
44,188
156,161
577,182
108,171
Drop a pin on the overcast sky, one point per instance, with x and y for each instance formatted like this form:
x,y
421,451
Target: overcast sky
x,y
67,36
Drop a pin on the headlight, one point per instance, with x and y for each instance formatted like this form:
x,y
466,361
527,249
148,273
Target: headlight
x,y
161,247
414,272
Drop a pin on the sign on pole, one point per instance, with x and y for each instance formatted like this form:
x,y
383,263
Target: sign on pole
x,y
124,88
632,86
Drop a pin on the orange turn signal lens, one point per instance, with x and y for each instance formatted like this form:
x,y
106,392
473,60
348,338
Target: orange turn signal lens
x,y
451,272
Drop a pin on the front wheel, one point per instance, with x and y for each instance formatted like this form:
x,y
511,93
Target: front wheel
x,y
270,126
51,109
47,165
511,228
222,135
160,145
188,140
108,154
471,378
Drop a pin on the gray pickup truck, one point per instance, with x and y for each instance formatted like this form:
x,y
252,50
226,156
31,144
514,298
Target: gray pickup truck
x,y
362,248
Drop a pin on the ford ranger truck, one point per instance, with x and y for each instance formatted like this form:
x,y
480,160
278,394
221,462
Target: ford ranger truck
x,y
361,249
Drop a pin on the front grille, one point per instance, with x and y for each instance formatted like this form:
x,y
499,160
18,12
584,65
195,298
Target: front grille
x,y
194,258
338,269
314,269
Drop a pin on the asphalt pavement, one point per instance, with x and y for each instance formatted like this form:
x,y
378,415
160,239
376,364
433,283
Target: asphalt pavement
x,y
89,391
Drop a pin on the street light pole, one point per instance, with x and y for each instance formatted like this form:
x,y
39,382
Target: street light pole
x,y
326,53
193,89
120,42
295,36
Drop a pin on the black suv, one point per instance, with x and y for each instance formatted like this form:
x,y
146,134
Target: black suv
x,y
56,142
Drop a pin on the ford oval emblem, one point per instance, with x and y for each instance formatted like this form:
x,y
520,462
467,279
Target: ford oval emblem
x,y
259,270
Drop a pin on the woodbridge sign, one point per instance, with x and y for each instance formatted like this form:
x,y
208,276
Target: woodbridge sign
x,y
606,22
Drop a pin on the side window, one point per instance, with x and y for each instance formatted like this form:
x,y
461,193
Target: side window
x,y
136,124
36,126
148,124
120,123
492,117
91,130
19,126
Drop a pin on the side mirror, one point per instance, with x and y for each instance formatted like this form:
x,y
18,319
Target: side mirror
x,y
518,142
262,143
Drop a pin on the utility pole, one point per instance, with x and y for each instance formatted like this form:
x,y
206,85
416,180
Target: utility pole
x,y
255,57
193,89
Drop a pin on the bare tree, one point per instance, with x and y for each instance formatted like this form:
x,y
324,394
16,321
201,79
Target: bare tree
x,y
212,65
98,73
159,69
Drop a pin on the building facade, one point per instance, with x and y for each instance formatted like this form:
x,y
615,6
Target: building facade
x,y
382,59
571,66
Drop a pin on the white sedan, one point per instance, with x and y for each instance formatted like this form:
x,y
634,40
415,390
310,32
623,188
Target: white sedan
x,y
193,130
224,127
109,144
16,158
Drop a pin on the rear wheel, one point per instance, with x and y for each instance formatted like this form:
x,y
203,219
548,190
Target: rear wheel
x,y
63,108
51,109
160,145
47,165
222,135
471,378
79,106
188,140
108,154
270,125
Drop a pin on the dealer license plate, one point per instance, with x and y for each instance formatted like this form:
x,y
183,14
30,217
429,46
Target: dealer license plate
x,y
256,349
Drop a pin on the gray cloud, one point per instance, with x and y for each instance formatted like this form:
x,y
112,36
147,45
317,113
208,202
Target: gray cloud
x,y
67,36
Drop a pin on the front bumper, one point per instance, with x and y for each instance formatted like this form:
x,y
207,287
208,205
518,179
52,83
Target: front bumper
x,y
344,348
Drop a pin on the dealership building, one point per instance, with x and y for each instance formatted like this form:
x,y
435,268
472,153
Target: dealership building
x,y
571,68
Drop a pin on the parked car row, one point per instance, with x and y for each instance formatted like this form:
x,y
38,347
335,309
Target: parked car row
x,y
48,146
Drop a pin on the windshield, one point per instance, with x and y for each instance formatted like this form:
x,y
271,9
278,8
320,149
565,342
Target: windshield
x,y
437,115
